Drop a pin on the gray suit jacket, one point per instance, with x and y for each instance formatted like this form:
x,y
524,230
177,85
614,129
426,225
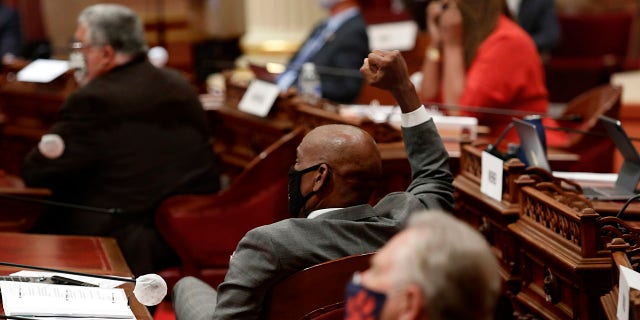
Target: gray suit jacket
x,y
270,253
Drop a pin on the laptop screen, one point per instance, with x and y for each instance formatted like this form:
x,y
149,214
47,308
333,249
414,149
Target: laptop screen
x,y
629,174
530,144
620,139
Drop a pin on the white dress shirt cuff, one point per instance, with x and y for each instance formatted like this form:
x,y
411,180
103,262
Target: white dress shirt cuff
x,y
415,117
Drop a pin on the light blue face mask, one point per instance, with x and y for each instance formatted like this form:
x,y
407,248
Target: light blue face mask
x,y
361,302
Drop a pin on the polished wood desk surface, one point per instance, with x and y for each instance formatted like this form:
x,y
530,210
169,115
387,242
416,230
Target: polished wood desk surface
x,y
94,255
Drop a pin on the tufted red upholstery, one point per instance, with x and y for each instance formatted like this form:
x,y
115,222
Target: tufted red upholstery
x,y
205,229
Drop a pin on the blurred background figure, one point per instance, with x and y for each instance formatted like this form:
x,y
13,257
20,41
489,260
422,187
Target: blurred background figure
x,y
10,34
539,19
337,47
131,135
470,64
430,270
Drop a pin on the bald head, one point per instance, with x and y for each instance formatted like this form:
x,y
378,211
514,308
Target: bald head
x,y
351,154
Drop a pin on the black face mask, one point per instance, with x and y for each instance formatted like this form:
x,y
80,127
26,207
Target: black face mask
x,y
296,199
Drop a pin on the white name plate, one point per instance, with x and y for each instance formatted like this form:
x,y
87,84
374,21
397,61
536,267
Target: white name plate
x,y
259,98
491,176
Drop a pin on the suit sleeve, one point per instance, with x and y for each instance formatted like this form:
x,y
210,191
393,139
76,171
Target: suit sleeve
x,y
429,160
79,127
253,270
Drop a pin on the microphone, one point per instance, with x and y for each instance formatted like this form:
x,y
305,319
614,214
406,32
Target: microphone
x,y
493,148
63,205
149,289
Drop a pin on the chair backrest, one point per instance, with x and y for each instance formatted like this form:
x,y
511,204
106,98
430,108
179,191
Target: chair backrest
x,y
317,292
596,151
268,165
205,229
589,106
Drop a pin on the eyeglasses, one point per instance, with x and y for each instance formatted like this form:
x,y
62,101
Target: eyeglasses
x,y
78,45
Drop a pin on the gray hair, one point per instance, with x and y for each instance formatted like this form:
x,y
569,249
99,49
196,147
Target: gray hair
x,y
114,25
452,264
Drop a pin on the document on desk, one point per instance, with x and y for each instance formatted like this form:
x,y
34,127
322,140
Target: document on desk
x,y
43,70
63,301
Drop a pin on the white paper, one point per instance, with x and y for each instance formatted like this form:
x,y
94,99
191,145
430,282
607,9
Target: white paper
x,y
587,176
628,279
259,98
491,176
37,299
43,70
393,36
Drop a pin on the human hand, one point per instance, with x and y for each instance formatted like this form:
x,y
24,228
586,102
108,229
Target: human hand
x,y
385,70
434,11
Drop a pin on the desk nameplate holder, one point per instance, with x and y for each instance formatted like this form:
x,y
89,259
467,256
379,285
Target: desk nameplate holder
x,y
491,176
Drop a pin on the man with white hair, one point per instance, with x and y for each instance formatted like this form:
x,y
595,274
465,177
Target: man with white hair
x,y
437,268
130,136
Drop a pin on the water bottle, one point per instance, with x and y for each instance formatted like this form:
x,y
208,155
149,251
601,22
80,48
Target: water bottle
x,y
309,84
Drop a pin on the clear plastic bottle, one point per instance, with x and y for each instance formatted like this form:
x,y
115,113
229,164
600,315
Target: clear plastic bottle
x,y
309,84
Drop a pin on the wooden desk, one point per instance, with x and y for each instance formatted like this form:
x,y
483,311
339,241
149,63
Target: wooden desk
x,y
531,249
95,255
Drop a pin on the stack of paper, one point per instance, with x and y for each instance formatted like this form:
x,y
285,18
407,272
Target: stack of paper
x,y
48,300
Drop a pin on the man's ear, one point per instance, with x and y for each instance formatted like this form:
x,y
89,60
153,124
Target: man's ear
x,y
322,176
109,53
414,306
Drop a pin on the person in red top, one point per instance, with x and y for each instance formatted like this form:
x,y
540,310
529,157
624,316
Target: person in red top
x,y
481,61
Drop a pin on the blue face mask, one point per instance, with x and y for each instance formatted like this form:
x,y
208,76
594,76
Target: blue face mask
x,y
362,303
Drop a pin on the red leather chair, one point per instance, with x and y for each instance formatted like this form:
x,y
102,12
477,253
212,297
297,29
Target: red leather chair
x,y
592,47
205,229
317,292
596,151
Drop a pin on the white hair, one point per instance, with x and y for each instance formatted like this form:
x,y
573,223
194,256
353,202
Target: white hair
x,y
452,264
114,25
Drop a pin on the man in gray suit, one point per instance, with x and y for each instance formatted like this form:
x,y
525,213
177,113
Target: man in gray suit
x,y
335,172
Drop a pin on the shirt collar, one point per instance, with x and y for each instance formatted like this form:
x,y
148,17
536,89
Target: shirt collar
x,y
316,213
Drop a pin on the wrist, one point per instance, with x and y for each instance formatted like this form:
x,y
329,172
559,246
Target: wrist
x,y
406,96
433,54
